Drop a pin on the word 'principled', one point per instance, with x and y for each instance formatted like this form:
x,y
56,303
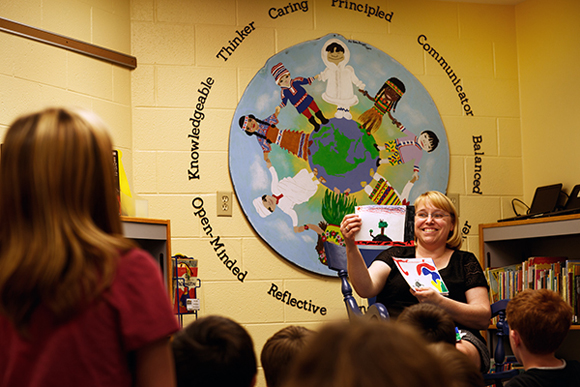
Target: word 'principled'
x,y
366,9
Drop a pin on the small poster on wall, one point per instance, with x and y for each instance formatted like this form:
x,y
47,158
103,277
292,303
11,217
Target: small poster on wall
x,y
325,126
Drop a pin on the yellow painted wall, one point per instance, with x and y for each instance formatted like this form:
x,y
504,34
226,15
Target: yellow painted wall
x,y
500,53
176,43
34,75
548,55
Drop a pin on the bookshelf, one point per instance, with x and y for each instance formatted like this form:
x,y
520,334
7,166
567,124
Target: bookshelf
x,y
509,243
154,236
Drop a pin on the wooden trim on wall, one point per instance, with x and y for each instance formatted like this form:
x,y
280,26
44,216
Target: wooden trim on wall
x,y
67,43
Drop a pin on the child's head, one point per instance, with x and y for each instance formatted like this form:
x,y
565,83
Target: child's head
x,y
428,140
265,205
281,75
391,92
366,353
462,371
59,213
393,88
335,53
248,124
433,323
214,351
58,161
541,318
280,350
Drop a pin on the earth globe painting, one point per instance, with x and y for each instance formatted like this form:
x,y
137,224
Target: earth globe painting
x,y
325,126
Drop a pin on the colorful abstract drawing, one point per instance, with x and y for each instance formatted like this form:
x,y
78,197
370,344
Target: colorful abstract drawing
x,y
421,273
436,280
303,153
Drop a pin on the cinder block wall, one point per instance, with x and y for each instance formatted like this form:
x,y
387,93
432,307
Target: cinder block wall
x,y
176,44
34,75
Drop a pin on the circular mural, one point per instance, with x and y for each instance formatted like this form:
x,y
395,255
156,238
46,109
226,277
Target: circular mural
x,y
324,126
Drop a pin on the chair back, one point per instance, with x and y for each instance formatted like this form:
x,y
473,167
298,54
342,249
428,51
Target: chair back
x,y
497,373
336,260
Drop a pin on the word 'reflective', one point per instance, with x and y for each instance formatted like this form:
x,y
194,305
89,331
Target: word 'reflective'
x,y
477,140
450,73
286,297
198,116
366,9
287,9
228,50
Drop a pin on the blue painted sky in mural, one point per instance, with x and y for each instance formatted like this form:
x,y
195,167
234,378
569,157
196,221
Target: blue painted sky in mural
x,y
343,154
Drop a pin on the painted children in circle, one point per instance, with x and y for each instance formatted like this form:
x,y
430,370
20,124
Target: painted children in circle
x,y
385,100
293,91
266,132
287,193
381,192
408,148
339,78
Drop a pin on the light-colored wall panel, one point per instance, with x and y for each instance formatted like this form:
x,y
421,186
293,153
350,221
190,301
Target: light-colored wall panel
x,y
178,86
54,68
154,43
68,18
110,28
462,130
143,85
509,137
199,11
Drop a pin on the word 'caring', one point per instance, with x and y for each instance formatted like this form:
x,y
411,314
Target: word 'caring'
x,y
198,116
287,298
290,8
231,47
366,9
477,140
218,248
450,73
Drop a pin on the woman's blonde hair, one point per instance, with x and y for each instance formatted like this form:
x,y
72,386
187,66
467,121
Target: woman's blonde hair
x,y
60,234
442,202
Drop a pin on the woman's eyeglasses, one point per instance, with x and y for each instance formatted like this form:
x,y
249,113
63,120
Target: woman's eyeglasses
x,y
436,215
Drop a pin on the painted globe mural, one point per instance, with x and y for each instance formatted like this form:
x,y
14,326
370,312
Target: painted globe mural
x,y
343,153
325,126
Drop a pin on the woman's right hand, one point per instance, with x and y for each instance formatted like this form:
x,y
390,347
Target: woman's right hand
x,y
350,225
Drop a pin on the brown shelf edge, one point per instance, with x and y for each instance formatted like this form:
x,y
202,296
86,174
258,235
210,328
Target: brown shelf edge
x,y
78,46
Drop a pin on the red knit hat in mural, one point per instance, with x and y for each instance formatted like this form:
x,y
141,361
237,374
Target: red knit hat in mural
x,y
279,70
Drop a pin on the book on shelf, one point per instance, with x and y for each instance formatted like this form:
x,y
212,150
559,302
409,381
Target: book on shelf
x,y
185,282
559,274
116,173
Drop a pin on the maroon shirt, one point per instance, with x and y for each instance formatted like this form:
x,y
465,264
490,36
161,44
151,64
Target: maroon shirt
x,y
95,347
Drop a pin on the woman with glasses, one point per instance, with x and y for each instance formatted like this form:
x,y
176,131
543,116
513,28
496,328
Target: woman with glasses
x,y
437,236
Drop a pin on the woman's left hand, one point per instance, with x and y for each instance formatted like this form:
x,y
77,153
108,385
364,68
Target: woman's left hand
x,y
427,295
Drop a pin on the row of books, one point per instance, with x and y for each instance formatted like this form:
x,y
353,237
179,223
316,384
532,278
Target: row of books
x,y
559,274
